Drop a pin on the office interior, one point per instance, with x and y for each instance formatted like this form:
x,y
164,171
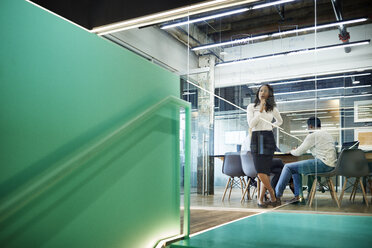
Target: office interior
x,y
116,122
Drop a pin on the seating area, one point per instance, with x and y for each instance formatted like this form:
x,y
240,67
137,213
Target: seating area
x,y
351,164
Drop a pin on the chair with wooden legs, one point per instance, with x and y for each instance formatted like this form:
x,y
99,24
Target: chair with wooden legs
x,y
232,167
328,176
332,191
250,171
353,164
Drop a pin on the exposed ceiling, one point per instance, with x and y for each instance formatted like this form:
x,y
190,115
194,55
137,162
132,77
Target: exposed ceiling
x,y
92,14
273,19
285,16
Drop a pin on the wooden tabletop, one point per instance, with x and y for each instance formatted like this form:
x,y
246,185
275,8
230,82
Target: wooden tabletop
x,y
368,155
285,157
289,158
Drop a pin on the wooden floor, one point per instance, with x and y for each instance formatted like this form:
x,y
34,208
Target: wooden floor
x,y
201,219
322,203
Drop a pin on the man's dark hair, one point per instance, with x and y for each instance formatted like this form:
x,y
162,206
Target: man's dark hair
x,y
314,121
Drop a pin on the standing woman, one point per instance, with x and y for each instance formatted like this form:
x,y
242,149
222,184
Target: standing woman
x,y
263,142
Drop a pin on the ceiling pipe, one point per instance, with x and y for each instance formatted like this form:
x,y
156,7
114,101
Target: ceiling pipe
x,y
344,36
280,10
188,34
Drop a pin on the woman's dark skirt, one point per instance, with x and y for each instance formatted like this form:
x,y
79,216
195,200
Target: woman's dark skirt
x,y
262,149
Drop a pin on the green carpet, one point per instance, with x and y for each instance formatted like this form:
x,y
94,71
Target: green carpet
x,y
288,230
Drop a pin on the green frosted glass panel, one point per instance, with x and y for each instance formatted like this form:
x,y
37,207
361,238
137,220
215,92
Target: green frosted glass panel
x,y
61,90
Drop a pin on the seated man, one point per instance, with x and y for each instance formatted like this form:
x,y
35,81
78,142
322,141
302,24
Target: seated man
x,y
321,145
276,169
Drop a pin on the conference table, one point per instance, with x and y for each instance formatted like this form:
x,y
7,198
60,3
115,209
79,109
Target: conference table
x,y
285,157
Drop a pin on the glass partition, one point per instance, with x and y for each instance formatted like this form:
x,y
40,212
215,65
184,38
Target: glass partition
x,y
316,55
317,59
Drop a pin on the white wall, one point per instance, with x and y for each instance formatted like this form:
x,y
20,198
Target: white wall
x,y
296,65
158,44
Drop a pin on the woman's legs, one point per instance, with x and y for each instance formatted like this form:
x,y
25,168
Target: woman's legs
x,y
265,180
262,193
263,165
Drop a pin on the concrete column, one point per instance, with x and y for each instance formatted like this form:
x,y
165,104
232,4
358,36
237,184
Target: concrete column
x,y
205,173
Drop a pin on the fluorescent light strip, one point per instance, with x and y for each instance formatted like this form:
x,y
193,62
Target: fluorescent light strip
x,y
271,80
276,55
367,114
204,18
334,88
318,113
259,6
325,48
116,27
325,125
314,79
334,24
350,110
346,116
245,40
323,98
328,125
332,97
264,5
331,129
324,109
189,93
320,117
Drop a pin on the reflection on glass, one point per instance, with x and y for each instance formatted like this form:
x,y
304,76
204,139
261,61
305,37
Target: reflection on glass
x,y
296,48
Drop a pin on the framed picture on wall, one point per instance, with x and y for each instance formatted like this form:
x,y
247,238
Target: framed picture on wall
x,y
364,136
363,111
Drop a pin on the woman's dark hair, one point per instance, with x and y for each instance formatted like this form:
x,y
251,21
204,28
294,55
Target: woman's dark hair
x,y
270,101
314,121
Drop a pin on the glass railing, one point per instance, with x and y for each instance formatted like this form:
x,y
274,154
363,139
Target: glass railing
x,y
110,171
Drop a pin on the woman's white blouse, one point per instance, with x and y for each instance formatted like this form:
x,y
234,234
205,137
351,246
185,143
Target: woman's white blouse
x,y
254,117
